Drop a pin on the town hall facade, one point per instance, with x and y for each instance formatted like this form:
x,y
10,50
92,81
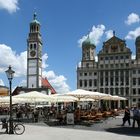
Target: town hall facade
x,y
114,73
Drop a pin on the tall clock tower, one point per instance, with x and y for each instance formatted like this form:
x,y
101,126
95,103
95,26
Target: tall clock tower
x,y
34,55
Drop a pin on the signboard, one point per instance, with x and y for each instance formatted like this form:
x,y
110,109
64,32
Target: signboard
x,y
70,118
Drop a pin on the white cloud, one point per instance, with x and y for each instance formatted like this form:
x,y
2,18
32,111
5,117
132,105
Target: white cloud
x,y
133,56
95,34
133,34
57,81
1,82
10,5
19,65
132,18
44,59
9,57
109,34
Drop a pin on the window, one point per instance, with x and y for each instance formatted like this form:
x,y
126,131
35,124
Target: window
x,y
106,81
31,46
122,91
122,57
111,73
80,74
101,90
127,64
106,90
127,56
134,81
138,81
111,91
111,58
127,73
117,81
122,65
111,80
90,73
134,91
116,91
101,58
112,65
127,91
87,65
106,65
101,66
134,99
95,73
134,71
95,82
122,81
127,80
81,83
101,81
34,46
90,82
85,83
139,91
85,74
106,58
116,57
106,73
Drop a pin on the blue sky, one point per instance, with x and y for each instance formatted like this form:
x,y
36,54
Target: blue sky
x,y
64,25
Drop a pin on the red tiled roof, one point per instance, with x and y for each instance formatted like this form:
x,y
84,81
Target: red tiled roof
x,y
45,83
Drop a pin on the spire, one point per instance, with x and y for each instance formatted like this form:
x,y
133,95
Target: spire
x,y
35,21
35,15
113,33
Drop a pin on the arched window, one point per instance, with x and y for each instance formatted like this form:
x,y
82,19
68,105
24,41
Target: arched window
x,y
37,28
31,46
34,46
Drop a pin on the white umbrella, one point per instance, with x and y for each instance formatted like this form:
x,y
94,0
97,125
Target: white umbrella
x,y
6,99
118,98
59,98
80,93
34,96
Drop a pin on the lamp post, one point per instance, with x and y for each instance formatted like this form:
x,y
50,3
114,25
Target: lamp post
x,y
10,75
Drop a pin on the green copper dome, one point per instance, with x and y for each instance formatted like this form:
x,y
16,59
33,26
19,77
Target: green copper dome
x,y
35,19
87,42
138,38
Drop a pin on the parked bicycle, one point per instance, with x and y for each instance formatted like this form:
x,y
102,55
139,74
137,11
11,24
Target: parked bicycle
x,y
18,127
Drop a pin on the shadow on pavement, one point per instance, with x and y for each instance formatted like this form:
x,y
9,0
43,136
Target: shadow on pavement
x,y
125,131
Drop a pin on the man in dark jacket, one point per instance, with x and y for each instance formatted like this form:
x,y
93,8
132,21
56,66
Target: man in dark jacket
x,y
126,116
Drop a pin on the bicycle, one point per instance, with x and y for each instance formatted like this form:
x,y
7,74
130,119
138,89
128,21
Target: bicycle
x,y
18,128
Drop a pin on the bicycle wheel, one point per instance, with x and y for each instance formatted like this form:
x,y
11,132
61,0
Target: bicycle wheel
x,y
19,129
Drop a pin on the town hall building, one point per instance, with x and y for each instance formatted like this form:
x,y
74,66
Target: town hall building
x,y
114,73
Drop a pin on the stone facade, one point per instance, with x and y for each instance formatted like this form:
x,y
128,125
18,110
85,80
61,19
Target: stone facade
x,y
114,73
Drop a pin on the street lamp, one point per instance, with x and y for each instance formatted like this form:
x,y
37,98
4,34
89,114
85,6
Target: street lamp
x,y
10,75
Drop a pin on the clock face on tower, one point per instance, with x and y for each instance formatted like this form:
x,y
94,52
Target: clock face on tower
x,y
33,53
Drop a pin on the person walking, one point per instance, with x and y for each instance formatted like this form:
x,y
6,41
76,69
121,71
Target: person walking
x,y
126,116
136,117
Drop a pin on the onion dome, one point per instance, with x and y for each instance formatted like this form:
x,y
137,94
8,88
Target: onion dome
x,y
138,39
87,42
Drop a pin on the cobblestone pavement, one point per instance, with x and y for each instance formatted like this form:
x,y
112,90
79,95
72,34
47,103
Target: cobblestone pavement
x,y
107,130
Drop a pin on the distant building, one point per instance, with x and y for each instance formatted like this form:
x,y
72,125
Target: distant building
x,y
4,91
35,82
114,73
